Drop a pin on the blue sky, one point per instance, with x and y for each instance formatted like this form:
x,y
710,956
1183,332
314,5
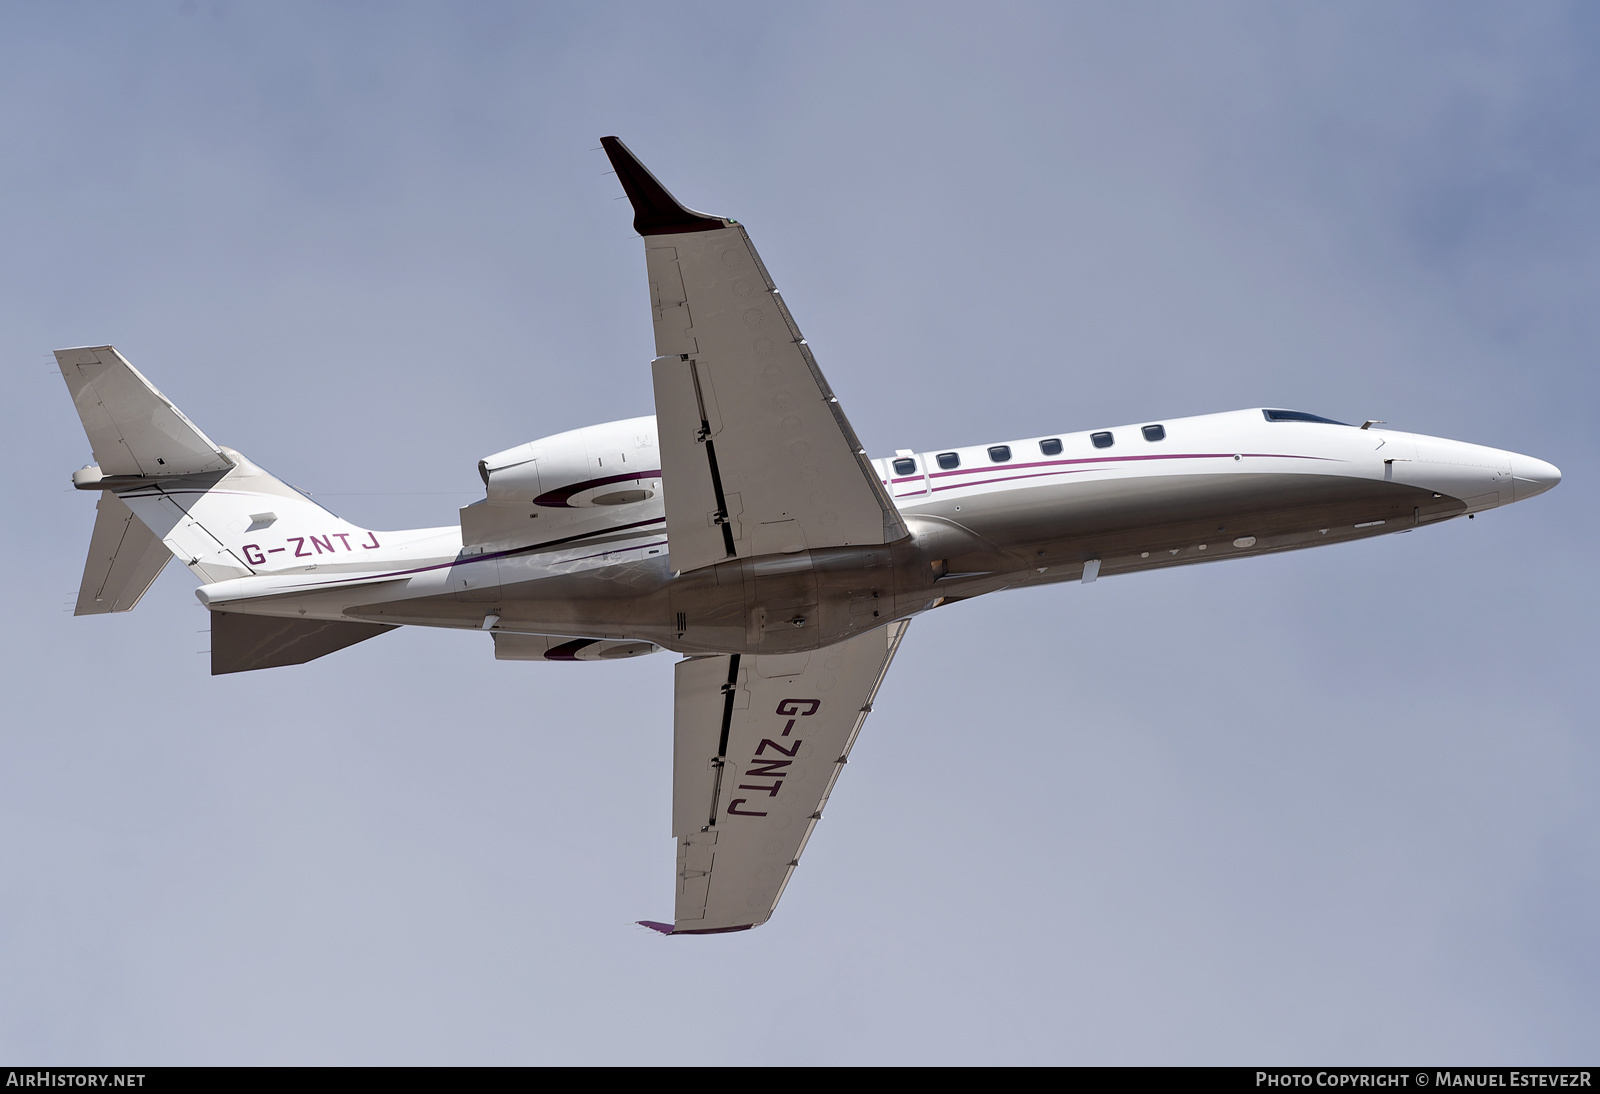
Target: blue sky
x,y
1334,806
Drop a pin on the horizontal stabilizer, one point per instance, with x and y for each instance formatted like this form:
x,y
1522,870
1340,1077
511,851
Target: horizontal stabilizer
x,y
240,643
125,558
132,427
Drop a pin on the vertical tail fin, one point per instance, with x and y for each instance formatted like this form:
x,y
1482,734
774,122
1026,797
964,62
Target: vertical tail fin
x,y
223,516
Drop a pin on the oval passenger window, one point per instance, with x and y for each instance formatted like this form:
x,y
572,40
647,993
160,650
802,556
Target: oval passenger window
x,y
905,467
1155,432
1101,440
1000,453
1051,447
949,460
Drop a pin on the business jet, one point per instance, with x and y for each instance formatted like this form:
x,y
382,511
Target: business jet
x,y
744,527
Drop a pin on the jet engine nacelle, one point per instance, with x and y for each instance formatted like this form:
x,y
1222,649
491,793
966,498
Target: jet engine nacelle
x,y
617,463
600,475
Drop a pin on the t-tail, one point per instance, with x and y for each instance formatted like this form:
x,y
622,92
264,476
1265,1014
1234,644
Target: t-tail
x,y
167,490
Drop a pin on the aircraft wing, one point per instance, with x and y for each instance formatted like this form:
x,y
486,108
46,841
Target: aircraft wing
x,y
757,456
758,742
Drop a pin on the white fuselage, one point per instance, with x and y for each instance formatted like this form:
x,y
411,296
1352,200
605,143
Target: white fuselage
x,y
1072,506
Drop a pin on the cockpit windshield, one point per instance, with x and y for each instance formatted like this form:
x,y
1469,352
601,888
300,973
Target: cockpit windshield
x,y
1298,416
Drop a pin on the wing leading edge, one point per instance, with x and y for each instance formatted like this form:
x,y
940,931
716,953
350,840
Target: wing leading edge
x,y
758,743
757,456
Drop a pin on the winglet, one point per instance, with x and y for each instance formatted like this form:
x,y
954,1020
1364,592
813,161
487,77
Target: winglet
x,y
664,928
655,211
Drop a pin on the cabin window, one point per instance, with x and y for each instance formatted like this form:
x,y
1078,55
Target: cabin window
x,y
949,461
999,453
1051,447
1154,432
1297,416
1102,440
905,467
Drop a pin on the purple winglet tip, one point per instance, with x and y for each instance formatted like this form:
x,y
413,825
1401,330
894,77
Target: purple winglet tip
x,y
664,928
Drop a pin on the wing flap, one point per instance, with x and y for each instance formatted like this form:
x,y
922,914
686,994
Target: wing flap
x,y
703,526
759,742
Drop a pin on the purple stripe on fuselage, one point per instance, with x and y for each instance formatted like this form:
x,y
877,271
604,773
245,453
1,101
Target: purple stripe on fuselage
x,y
1012,478
1130,459
1076,469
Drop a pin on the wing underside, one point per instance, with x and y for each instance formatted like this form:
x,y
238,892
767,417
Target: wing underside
x,y
759,742
757,456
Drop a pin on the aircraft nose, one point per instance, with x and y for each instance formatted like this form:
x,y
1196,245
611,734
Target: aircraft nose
x,y
1531,476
